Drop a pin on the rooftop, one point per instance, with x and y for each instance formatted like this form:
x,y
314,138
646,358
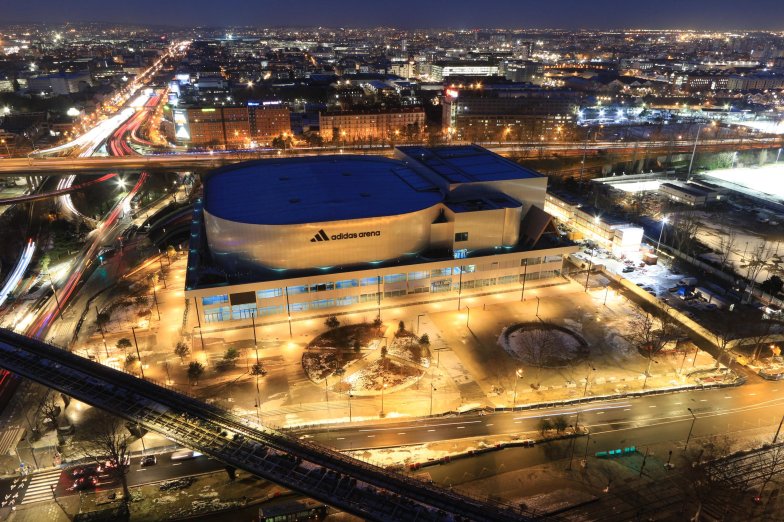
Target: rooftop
x,y
315,189
467,164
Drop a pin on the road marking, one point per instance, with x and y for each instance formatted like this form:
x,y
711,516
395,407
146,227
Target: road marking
x,y
627,409
652,406
703,400
402,433
431,430
678,403
461,427
489,424
341,438
601,413
371,436
423,426
752,394
728,397
177,464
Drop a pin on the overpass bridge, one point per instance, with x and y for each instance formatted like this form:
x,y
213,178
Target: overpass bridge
x,y
53,165
326,475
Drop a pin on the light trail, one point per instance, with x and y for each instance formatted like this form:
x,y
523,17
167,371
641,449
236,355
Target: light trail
x,y
68,289
18,272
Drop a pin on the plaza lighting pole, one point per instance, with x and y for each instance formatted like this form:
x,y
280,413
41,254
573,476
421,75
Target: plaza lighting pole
x,y
525,275
519,375
138,354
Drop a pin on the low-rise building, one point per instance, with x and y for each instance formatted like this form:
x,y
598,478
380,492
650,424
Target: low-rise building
x,y
364,125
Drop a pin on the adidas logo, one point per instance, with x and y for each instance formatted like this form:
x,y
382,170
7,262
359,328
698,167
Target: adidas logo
x,y
320,236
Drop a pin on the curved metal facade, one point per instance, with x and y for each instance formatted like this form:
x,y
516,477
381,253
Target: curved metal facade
x,y
324,244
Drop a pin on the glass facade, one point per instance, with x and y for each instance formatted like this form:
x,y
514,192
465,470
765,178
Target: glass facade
x,y
364,291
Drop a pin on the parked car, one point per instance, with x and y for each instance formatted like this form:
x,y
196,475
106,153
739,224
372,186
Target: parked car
x,y
627,269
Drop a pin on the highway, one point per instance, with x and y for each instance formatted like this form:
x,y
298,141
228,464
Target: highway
x,y
51,165
359,488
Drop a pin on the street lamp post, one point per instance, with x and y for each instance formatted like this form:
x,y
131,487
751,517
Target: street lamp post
x,y
468,316
54,292
688,437
155,300
537,306
664,221
200,337
138,353
606,291
588,273
525,275
383,387
418,317
587,379
519,375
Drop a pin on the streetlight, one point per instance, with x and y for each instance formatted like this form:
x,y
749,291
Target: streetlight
x,y
468,316
664,221
694,150
200,337
519,375
420,315
693,420
54,292
587,379
138,354
384,387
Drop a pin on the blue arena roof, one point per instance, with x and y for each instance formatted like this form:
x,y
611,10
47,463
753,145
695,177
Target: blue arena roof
x,y
467,164
315,189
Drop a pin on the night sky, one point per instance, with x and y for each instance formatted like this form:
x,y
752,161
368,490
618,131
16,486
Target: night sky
x,y
601,14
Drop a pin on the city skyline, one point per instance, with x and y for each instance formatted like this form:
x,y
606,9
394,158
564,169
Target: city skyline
x,y
458,14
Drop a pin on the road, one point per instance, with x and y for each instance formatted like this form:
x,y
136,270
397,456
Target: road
x,y
648,419
37,487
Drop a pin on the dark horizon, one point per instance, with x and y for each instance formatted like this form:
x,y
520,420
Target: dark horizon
x,y
719,15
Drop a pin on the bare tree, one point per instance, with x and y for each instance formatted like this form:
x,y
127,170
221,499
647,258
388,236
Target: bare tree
x,y
726,244
723,336
50,410
650,332
758,260
685,226
538,343
109,442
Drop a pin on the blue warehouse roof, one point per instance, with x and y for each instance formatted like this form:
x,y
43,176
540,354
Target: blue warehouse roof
x,y
314,189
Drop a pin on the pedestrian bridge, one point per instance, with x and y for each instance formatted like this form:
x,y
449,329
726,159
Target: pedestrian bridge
x,y
328,476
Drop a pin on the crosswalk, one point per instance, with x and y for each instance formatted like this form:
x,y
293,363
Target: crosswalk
x,y
31,488
9,438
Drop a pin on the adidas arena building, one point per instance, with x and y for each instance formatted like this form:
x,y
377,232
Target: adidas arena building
x,y
293,238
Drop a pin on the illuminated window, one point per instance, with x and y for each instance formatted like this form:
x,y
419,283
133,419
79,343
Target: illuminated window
x,y
215,299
